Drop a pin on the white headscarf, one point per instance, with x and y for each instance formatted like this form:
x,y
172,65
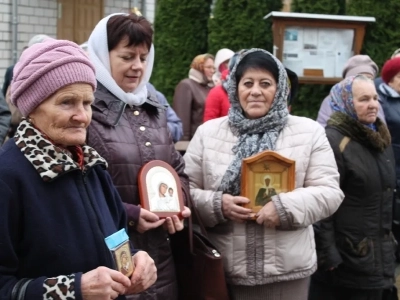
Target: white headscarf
x,y
100,57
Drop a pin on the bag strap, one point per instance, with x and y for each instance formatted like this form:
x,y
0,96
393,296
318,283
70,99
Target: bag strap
x,y
194,217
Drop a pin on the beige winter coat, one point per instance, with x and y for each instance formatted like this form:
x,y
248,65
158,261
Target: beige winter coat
x,y
254,255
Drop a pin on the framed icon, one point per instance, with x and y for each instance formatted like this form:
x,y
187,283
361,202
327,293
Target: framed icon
x,y
160,189
123,259
264,175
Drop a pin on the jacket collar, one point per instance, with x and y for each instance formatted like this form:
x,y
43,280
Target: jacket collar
x,y
388,91
108,109
378,140
49,160
199,77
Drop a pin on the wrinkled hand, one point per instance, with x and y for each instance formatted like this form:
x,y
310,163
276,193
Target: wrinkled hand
x,y
148,220
144,275
232,209
103,284
268,216
173,224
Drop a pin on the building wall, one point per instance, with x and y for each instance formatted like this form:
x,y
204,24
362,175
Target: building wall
x,y
147,8
40,17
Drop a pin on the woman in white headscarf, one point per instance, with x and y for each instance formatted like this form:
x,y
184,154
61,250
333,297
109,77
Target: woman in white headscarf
x,y
129,128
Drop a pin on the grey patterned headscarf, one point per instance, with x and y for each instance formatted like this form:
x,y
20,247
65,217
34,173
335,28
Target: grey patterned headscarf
x,y
255,135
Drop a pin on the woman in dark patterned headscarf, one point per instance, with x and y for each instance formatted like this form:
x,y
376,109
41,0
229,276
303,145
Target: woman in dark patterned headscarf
x,y
274,256
355,246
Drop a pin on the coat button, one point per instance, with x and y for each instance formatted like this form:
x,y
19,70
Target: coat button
x,y
131,223
148,144
136,113
142,128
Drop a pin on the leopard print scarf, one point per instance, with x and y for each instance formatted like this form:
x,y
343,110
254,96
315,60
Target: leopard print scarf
x,y
49,160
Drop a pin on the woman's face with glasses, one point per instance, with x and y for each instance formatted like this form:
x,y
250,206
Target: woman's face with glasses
x,y
209,68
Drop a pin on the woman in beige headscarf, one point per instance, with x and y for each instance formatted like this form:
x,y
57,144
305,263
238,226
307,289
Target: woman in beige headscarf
x,y
191,93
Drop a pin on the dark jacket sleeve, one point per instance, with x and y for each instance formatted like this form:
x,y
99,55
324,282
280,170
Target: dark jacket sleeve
x,y
5,119
182,105
327,253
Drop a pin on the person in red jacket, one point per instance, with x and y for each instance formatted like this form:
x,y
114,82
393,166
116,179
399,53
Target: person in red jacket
x,y
217,102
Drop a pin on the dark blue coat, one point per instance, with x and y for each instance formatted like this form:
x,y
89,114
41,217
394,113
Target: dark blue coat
x,y
56,227
390,102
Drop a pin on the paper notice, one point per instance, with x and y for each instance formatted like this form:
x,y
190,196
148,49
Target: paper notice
x,y
293,41
341,58
310,39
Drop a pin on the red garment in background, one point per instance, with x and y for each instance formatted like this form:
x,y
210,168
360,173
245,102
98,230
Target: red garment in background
x,y
217,104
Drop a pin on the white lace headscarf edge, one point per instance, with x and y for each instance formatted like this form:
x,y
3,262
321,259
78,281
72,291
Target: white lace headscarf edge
x,y
100,57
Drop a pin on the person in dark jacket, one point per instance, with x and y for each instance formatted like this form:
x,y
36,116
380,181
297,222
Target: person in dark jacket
x,y
355,246
58,203
379,80
389,97
5,119
129,129
173,121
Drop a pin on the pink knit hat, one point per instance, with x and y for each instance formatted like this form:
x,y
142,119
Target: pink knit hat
x,y
360,64
45,68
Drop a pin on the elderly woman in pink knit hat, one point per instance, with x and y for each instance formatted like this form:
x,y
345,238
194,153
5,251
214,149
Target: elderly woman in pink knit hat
x,y
358,64
58,203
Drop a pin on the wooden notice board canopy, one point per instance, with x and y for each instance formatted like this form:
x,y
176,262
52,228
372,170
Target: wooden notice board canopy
x,y
317,46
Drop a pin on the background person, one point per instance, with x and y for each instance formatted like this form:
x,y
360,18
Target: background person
x,y
129,129
57,202
355,246
389,97
173,121
378,81
273,257
217,102
222,59
5,119
191,93
358,64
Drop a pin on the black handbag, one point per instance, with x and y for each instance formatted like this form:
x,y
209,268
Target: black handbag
x,y
198,263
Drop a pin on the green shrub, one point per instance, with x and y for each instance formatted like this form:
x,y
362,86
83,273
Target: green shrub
x,y
239,24
180,35
383,36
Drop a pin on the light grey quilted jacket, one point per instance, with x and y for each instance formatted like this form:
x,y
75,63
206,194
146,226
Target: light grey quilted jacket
x,y
255,255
